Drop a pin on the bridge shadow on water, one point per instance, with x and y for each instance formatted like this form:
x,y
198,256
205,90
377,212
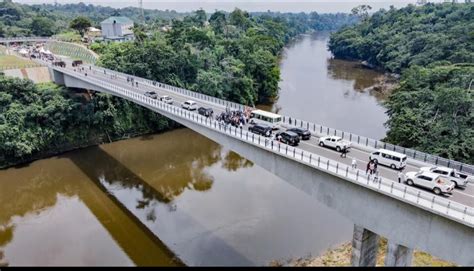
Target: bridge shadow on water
x,y
99,166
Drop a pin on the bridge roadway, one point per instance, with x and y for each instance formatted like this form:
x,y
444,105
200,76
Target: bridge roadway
x,y
464,196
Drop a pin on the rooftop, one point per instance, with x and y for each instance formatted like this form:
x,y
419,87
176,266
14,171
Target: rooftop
x,y
117,19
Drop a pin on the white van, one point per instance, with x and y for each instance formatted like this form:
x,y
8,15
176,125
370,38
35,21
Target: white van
x,y
388,158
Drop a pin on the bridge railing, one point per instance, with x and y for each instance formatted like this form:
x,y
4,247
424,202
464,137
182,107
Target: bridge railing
x,y
377,144
316,128
13,39
196,95
435,204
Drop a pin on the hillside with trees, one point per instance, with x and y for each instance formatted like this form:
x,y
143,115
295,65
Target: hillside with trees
x,y
432,47
48,19
37,120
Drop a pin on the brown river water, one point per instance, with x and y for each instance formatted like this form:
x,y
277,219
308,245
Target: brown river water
x,y
177,197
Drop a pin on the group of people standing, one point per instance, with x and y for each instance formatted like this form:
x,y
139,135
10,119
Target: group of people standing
x,y
371,169
236,118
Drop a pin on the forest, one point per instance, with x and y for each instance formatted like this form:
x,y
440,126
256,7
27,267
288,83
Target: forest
x,y
36,120
432,47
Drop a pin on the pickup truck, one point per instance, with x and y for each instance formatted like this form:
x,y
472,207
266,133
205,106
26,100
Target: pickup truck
x,y
448,173
435,182
334,142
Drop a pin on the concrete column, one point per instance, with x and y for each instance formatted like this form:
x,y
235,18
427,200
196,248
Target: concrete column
x,y
364,247
398,255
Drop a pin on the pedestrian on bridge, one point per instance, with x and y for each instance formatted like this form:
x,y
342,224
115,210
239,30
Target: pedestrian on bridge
x,y
401,177
344,152
354,163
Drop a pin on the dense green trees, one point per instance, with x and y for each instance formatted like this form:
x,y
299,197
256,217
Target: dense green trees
x,y
432,110
46,119
80,24
42,26
398,38
433,48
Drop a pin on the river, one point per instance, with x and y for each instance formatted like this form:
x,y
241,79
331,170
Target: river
x,y
177,197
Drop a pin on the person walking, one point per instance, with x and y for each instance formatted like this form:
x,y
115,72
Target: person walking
x,y
368,167
354,163
401,177
371,167
344,152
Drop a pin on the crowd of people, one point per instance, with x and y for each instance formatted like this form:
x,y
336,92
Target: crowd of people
x,y
236,118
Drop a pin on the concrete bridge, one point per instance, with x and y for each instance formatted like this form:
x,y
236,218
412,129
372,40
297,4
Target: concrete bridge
x,y
408,217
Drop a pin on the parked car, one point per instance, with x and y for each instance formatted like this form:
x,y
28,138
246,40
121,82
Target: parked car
x,y
334,142
449,173
304,134
261,129
288,137
205,111
166,99
189,105
388,158
435,182
151,94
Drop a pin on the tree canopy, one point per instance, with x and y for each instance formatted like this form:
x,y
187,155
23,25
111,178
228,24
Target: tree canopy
x,y
432,46
80,24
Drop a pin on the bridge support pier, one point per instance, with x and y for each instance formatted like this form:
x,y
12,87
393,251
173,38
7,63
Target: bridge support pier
x,y
364,247
398,255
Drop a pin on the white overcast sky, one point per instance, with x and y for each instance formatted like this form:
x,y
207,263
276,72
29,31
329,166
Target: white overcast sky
x,y
321,6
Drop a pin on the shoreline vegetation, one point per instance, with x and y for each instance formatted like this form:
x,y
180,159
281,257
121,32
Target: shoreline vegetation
x,y
341,256
432,48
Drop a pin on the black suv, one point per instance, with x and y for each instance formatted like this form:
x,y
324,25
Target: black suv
x,y
205,111
303,133
289,138
261,129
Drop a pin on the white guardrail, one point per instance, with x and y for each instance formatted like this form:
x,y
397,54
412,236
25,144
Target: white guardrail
x,y
435,204
316,128
20,39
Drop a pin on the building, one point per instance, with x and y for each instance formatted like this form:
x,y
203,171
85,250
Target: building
x,y
93,32
117,28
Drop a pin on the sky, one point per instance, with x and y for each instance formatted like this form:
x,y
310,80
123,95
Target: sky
x,y
320,6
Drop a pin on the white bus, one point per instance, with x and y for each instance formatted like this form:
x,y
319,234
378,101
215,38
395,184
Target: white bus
x,y
271,119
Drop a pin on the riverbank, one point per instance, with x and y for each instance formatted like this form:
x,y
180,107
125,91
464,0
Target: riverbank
x,y
341,256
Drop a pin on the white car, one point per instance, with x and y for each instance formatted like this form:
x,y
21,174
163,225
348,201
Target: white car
x,y
334,142
151,94
435,182
189,105
166,99
448,173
